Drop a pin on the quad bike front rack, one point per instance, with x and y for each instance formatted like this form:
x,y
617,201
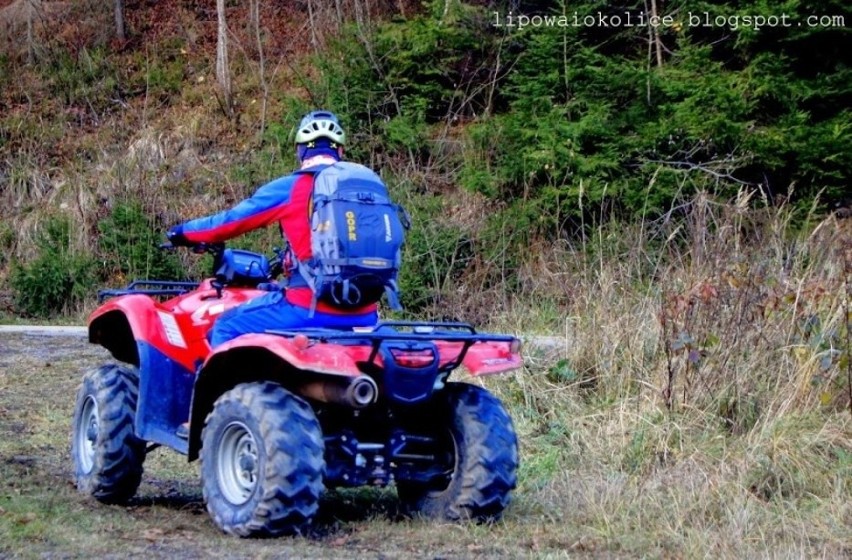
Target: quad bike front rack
x,y
166,288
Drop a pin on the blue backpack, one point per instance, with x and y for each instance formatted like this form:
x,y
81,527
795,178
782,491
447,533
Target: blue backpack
x,y
356,238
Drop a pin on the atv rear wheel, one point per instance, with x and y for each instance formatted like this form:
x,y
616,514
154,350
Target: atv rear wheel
x,y
107,454
262,461
482,450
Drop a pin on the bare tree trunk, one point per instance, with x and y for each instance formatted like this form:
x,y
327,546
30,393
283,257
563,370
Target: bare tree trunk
x,y
30,39
119,20
650,57
256,11
494,78
361,20
314,41
658,45
223,75
338,8
254,15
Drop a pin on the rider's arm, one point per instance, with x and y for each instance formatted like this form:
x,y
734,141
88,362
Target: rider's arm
x,y
266,206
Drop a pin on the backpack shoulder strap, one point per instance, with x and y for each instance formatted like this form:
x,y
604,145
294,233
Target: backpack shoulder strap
x,y
314,170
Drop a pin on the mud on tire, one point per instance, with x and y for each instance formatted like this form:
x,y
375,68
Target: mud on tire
x,y
483,451
107,455
262,461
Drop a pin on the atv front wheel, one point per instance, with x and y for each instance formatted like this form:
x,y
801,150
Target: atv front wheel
x,y
482,453
262,461
107,454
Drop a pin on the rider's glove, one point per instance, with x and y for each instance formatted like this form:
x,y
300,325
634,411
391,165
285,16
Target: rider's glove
x,y
177,238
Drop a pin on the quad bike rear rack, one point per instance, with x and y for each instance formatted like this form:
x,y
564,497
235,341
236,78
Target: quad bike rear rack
x,y
416,331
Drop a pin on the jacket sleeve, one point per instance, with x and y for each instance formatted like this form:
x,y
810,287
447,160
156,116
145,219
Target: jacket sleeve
x,y
266,206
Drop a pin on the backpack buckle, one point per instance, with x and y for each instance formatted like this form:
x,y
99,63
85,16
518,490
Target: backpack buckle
x,y
345,293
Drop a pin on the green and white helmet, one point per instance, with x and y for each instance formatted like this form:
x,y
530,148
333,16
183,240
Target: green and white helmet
x,y
320,124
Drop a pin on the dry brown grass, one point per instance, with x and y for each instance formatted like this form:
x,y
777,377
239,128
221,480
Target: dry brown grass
x,y
689,409
698,403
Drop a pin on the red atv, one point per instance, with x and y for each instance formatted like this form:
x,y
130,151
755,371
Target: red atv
x,y
276,417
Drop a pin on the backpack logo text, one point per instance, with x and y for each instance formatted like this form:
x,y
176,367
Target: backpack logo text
x,y
350,223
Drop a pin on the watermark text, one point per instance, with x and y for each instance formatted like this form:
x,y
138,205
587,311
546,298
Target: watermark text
x,y
641,19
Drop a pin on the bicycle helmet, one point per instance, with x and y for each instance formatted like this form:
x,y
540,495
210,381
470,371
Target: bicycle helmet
x,y
320,124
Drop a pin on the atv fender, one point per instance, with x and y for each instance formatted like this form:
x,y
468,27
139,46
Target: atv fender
x,y
136,331
119,323
489,358
250,358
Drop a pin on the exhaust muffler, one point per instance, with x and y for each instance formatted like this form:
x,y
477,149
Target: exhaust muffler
x,y
355,392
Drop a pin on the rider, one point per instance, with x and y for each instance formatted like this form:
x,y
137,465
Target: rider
x,y
319,142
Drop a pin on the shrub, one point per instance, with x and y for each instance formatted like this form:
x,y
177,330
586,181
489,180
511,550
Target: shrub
x,y
129,240
158,71
58,279
88,79
7,239
436,254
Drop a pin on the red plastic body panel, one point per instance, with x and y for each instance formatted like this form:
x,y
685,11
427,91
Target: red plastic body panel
x,y
487,358
333,359
482,358
177,327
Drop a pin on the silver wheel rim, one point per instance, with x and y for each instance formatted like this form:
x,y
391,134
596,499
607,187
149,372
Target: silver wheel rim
x,y
87,434
456,465
237,463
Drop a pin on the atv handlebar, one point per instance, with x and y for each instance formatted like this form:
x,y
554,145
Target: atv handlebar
x,y
197,248
217,250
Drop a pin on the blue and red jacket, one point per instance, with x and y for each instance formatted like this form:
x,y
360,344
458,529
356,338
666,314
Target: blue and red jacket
x,y
285,200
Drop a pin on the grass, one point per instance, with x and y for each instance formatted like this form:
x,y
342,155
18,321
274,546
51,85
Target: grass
x,y
599,478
